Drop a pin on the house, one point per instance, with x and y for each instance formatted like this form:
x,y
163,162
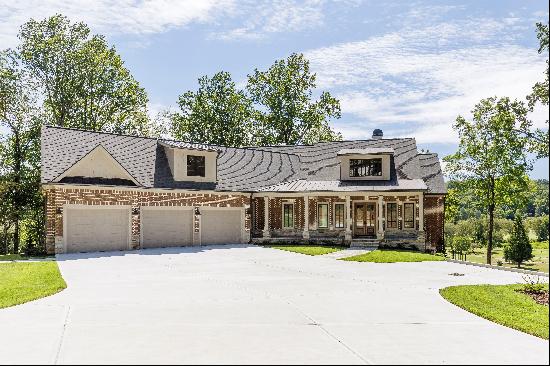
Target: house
x,y
116,192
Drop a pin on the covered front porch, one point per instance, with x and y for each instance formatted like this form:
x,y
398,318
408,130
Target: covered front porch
x,y
375,217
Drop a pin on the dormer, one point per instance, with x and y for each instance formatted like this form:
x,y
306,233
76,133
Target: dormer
x,y
192,164
365,164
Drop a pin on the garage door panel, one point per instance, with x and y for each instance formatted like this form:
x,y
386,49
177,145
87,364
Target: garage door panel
x,y
221,227
92,229
166,228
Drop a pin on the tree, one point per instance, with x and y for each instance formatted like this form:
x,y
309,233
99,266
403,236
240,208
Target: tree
x,y
519,249
540,94
84,81
287,114
491,157
217,113
20,151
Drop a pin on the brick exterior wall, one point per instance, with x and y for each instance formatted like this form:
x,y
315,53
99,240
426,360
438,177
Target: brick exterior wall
x,y
434,221
57,197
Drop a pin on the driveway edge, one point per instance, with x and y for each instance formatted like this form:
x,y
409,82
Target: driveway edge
x,y
500,268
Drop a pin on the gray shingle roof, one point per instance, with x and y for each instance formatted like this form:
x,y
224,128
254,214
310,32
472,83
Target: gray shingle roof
x,y
275,168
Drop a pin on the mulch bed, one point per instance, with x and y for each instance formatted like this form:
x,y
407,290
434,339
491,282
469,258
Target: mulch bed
x,y
540,297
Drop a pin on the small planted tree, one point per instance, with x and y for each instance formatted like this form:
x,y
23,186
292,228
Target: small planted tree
x,y
519,249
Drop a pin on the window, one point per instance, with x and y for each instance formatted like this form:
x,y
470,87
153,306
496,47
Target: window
x,y
288,215
408,215
339,218
391,215
322,213
195,166
365,167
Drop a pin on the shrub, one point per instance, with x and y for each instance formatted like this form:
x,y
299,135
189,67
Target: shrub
x,y
519,249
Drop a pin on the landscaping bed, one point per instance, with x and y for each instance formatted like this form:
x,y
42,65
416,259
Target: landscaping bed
x,y
508,305
24,282
394,256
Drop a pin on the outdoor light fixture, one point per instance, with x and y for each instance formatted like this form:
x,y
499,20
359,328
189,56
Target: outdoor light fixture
x,y
197,211
58,210
135,210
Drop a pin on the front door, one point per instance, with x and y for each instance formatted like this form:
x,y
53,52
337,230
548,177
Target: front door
x,y
364,219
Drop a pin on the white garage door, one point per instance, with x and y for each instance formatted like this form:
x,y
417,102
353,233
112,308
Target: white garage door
x,y
221,226
97,229
166,227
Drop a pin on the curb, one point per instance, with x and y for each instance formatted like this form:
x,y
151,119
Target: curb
x,y
500,268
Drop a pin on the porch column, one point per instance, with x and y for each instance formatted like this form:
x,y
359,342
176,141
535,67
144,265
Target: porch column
x,y
305,233
348,219
380,234
266,218
421,212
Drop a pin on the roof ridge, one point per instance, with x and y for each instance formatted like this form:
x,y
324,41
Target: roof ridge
x,y
99,132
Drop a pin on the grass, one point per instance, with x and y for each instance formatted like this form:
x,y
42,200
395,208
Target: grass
x,y
308,249
538,263
503,305
393,256
24,282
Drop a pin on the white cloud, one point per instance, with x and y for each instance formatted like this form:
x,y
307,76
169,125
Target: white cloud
x,y
263,18
111,16
417,80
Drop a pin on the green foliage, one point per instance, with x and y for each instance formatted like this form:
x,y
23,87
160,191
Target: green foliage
x,y
533,284
84,81
491,159
217,113
461,244
539,138
539,225
502,304
287,113
519,249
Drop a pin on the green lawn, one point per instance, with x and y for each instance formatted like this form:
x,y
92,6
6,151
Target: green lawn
x,y
501,304
23,282
538,263
308,249
393,256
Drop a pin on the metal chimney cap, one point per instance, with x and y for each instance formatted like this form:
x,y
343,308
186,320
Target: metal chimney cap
x,y
377,133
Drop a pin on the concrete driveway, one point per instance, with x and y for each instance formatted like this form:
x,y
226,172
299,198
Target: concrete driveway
x,y
255,305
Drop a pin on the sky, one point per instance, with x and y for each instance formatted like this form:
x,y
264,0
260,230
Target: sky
x,y
406,67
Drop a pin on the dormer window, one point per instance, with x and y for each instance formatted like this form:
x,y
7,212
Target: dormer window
x,y
365,168
195,166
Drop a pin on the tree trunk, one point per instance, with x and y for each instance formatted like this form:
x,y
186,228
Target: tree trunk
x,y
491,222
17,180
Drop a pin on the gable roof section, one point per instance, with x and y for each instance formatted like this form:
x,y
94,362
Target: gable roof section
x,y
62,148
270,168
81,168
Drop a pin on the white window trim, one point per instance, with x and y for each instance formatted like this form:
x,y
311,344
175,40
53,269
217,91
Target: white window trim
x,y
388,216
283,204
328,215
414,215
334,215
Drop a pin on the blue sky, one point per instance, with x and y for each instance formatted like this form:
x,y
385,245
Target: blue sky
x,y
406,67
